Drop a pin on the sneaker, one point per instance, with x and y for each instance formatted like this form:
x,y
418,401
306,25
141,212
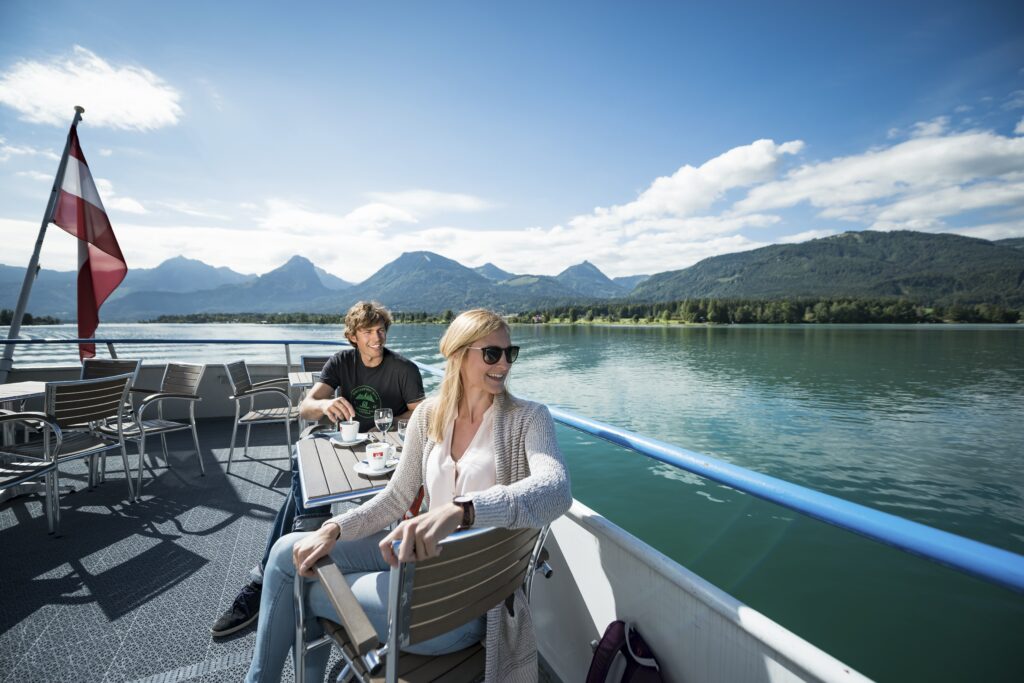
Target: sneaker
x,y
244,611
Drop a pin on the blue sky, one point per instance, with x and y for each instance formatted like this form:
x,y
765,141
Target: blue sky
x,y
642,136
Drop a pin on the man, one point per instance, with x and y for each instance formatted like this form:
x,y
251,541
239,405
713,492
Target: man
x,y
353,383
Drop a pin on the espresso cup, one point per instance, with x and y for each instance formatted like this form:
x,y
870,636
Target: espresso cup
x,y
349,430
377,456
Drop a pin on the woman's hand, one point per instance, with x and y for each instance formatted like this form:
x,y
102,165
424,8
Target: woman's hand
x,y
318,544
420,535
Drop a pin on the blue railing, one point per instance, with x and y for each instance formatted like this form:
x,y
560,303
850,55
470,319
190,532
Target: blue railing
x,y
978,559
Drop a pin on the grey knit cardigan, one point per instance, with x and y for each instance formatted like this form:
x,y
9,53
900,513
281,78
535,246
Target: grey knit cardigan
x,y
532,490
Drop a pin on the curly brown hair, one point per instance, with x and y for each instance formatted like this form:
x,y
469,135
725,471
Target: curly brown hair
x,y
364,314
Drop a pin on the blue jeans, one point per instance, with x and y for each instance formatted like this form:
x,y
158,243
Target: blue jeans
x,y
290,510
367,573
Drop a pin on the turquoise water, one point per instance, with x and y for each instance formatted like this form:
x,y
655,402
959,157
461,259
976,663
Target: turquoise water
x,y
920,421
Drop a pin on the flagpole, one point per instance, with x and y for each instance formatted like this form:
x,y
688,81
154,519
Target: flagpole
x,y
7,361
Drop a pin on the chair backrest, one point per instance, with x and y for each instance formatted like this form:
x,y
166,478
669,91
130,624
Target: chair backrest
x,y
238,375
182,378
98,368
313,363
88,400
476,571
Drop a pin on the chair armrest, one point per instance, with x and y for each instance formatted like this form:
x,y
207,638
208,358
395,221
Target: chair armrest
x,y
313,429
264,390
41,419
162,396
350,612
270,382
154,399
141,390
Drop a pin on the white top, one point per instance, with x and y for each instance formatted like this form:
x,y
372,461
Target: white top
x,y
475,471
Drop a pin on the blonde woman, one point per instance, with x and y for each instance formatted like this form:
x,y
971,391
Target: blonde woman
x,y
484,458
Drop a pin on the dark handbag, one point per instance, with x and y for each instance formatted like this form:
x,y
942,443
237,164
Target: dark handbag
x,y
623,639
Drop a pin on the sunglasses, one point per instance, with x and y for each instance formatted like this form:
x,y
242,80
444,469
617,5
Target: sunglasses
x,y
492,354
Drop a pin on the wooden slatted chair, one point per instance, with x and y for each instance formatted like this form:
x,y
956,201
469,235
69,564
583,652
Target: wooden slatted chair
x,y
72,414
180,383
243,389
99,368
16,471
478,569
313,363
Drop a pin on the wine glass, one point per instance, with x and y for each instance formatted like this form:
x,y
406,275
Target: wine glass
x,y
382,417
402,426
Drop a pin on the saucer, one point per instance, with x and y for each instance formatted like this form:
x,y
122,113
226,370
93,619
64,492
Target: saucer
x,y
362,467
336,440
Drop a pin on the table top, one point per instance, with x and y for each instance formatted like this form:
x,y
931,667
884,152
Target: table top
x,y
328,475
303,379
16,391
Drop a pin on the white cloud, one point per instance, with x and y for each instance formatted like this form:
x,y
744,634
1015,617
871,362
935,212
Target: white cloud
x,y
1014,100
36,175
1019,128
8,151
925,129
805,235
428,201
916,165
190,209
114,96
106,152
994,231
111,200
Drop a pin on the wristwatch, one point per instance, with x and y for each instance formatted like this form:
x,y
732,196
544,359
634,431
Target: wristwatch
x,y
468,512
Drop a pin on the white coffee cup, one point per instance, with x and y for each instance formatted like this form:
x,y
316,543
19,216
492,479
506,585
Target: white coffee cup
x,y
377,456
349,430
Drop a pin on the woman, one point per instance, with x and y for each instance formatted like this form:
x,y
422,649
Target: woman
x,y
482,457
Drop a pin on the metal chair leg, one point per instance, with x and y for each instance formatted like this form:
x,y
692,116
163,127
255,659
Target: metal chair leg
x,y
50,491
167,459
56,501
142,456
234,432
199,452
245,451
128,473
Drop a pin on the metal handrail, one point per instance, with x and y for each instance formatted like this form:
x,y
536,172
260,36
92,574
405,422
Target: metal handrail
x,y
978,559
999,566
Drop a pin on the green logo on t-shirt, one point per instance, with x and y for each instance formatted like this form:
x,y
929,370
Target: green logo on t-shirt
x,y
365,400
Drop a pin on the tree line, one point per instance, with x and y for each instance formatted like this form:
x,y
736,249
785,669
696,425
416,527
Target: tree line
x,y
721,311
7,317
746,311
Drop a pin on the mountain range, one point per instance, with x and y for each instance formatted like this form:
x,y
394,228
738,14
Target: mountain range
x,y
923,267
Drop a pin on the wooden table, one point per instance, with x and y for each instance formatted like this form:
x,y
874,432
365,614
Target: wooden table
x,y
303,380
328,475
19,391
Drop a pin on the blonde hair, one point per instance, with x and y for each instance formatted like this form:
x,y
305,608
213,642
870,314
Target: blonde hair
x,y
463,331
365,314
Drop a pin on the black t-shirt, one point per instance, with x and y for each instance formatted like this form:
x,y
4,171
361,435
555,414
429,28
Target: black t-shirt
x,y
395,383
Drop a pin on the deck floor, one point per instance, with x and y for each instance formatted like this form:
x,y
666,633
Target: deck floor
x,y
127,592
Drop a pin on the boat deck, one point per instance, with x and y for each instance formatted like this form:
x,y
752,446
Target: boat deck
x,y
127,592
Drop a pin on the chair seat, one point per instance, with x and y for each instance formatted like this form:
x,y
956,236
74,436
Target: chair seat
x,y
75,445
154,426
464,666
12,473
270,415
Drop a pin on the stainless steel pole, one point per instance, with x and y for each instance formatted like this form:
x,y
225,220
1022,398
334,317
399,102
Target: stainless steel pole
x,y
7,361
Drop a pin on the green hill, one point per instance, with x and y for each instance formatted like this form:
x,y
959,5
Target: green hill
x,y
921,267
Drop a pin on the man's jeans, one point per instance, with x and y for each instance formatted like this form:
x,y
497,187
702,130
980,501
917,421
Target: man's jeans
x,y
292,512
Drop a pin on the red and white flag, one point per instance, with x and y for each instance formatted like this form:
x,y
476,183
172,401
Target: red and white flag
x,y
101,266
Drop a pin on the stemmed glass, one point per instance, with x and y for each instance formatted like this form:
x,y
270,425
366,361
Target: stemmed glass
x,y
382,417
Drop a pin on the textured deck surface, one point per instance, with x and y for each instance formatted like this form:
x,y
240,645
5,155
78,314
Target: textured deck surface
x,y
127,592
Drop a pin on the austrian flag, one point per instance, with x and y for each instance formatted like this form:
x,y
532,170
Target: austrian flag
x,y
101,266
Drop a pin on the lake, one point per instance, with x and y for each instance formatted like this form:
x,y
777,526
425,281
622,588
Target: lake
x,y
919,421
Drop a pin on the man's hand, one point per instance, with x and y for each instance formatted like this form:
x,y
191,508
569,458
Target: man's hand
x,y
318,544
338,409
420,535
